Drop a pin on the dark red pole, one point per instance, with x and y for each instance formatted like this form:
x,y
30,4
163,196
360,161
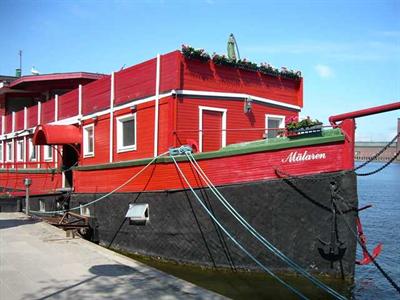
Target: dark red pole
x,y
364,112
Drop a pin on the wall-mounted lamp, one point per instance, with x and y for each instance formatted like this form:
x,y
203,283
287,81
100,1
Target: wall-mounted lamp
x,y
247,105
95,119
173,93
133,107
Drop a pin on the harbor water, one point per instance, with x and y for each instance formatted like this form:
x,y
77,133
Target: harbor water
x,y
381,224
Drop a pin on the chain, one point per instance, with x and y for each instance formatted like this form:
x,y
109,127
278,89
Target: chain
x,y
380,168
379,153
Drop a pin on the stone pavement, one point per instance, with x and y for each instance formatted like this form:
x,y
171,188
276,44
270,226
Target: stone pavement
x,y
38,261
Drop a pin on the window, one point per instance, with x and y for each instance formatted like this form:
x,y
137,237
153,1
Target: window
x,y
84,210
42,205
272,123
1,152
9,151
88,140
48,152
32,151
126,133
20,150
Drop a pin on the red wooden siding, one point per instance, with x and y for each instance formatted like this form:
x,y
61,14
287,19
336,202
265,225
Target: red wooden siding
x,y
41,183
207,76
19,120
68,105
170,71
144,133
48,111
212,130
165,126
135,82
241,127
32,117
8,123
96,96
101,142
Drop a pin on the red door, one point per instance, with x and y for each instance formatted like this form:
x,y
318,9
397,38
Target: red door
x,y
212,130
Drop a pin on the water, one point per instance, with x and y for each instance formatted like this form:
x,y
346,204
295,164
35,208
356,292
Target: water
x,y
381,223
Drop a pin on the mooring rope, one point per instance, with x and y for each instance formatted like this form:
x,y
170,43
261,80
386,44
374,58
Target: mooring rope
x,y
104,196
256,234
241,247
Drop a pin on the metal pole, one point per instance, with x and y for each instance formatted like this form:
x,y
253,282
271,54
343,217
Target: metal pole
x,y
27,201
27,183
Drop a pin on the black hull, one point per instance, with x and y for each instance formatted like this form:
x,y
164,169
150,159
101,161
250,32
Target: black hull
x,y
292,214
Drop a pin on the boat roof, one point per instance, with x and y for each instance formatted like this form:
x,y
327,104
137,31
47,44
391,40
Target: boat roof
x,y
25,81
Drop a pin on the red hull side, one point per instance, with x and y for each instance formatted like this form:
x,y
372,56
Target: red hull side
x,y
222,171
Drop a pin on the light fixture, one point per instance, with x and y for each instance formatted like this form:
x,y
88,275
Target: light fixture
x,y
247,105
133,107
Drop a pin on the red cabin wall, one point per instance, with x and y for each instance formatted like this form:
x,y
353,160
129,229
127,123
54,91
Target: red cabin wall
x,y
135,82
207,76
188,119
68,104
19,120
96,95
48,111
32,117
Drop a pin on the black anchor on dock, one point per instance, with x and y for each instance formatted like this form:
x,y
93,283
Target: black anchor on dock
x,y
336,249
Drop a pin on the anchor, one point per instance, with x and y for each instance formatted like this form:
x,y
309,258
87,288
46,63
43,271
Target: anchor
x,y
367,258
336,249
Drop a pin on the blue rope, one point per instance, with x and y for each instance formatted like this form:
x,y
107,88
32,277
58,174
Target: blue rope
x,y
257,235
298,293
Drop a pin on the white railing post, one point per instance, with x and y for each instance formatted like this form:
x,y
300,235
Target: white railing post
x,y
112,98
156,106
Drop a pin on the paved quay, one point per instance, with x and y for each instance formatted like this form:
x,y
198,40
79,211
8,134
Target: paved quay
x,y
38,261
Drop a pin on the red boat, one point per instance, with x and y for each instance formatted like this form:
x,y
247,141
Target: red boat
x,y
136,150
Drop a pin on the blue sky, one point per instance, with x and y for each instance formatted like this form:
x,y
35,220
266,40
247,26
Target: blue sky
x,y
348,51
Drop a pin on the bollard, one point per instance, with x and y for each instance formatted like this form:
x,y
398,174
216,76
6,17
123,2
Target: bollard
x,y
27,183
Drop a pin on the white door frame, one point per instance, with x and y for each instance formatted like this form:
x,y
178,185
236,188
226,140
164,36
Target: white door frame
x,y
223,135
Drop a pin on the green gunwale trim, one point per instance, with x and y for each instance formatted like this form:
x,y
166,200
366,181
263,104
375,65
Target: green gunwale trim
x,y
30,171
328,136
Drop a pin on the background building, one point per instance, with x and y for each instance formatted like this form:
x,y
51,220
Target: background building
x,y
365,150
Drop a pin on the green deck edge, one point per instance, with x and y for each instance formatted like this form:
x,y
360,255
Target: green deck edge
x,y
328,136
31,171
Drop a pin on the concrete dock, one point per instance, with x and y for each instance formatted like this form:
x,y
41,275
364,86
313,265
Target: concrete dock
x,y
38,261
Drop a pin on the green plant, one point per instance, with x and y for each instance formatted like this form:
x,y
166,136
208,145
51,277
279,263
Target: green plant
x,y
191,52
294,123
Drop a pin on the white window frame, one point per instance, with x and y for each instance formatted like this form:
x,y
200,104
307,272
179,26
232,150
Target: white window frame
x,y
85,143
280,118
31,148
84,210
120,120
10,156
42,205
46,153
20,150
223,135
1,152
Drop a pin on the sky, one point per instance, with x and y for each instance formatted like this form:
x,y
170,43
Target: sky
x,y
348,51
